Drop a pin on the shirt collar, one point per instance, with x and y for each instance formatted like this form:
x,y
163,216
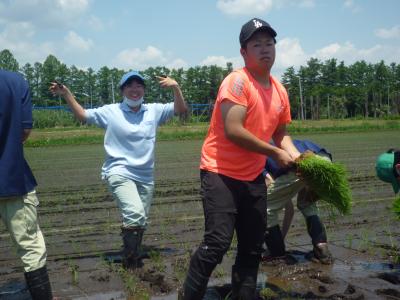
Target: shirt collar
x,y
125,107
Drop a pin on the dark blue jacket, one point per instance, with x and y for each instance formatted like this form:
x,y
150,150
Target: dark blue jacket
x,y
275,171
16,178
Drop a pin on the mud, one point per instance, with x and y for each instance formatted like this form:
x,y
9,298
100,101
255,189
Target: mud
x,y
81,224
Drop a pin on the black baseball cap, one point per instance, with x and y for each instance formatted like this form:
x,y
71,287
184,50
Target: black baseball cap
x,y
251,27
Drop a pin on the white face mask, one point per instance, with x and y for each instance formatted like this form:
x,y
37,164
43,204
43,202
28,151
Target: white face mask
x,y
133,103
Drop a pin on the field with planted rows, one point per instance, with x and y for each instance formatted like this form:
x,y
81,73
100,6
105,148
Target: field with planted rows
x,y
81,225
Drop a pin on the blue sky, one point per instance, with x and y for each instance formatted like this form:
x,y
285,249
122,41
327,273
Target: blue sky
x,y
131,34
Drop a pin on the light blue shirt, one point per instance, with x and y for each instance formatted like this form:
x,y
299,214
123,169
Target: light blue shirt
x,y
130,137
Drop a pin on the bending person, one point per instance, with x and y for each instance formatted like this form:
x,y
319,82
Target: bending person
x,y
129,142
388,168
282,186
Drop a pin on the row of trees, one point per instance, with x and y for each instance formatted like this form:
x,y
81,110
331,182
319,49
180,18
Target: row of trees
x,y
331,89
318,90
199,84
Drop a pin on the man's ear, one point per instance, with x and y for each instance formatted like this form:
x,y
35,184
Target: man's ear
x,y
243,51
397,167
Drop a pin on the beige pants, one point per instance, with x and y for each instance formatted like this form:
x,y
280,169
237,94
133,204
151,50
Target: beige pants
x,y
20,218
281,192
286,187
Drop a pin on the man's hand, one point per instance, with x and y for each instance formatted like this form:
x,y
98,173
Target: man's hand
x,y
283,159
268,180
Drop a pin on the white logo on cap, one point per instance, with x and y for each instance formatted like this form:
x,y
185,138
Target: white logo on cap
x,y
257,24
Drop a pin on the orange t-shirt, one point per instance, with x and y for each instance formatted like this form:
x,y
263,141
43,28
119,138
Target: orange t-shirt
x,y
266,109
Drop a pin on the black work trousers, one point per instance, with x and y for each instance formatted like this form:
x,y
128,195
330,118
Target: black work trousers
x,y
229,205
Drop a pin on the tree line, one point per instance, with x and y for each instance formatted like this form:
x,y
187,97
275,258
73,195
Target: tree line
x,y
327,89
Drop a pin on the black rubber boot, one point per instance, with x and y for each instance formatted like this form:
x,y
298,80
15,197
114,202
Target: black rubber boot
x,y
194,288
274,241
39,284
316,230
132,238
244,282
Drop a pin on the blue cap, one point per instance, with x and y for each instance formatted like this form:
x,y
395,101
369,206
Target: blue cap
x,y
130,74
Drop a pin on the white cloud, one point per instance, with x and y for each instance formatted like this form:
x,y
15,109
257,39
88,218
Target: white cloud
x,y
221,61
141,59
73,5
391,33
22,20
74,42
44,13
95,23
307,3
18,30
244,7
289,53
177,64
350,4
258,7
350,54
346,52
16,38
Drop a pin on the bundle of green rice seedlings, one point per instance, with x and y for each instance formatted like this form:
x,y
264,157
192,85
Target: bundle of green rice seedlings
x,y
327,180
396,207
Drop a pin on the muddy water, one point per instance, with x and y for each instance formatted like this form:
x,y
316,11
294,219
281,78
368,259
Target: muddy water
x,y
309,281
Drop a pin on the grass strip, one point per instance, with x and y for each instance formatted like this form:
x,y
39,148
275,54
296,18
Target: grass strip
x,y
58,136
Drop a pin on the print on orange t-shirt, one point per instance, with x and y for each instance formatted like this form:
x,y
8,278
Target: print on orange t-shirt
x,y
267,108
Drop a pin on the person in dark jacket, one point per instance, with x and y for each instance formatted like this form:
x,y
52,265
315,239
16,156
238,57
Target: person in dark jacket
x,y
18,200
282,186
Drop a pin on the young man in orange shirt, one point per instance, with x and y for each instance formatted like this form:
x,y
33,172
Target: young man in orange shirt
x,y
251,108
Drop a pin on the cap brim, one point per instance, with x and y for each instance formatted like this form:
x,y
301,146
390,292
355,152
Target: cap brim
x,y
133,76
270,30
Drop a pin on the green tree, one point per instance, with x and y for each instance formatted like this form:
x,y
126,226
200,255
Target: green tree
x,y
7,61
103,87
291,82
89,87
35,85
50,71
28,72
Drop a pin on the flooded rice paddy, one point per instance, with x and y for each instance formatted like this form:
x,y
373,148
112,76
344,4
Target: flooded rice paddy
x,y
81,225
